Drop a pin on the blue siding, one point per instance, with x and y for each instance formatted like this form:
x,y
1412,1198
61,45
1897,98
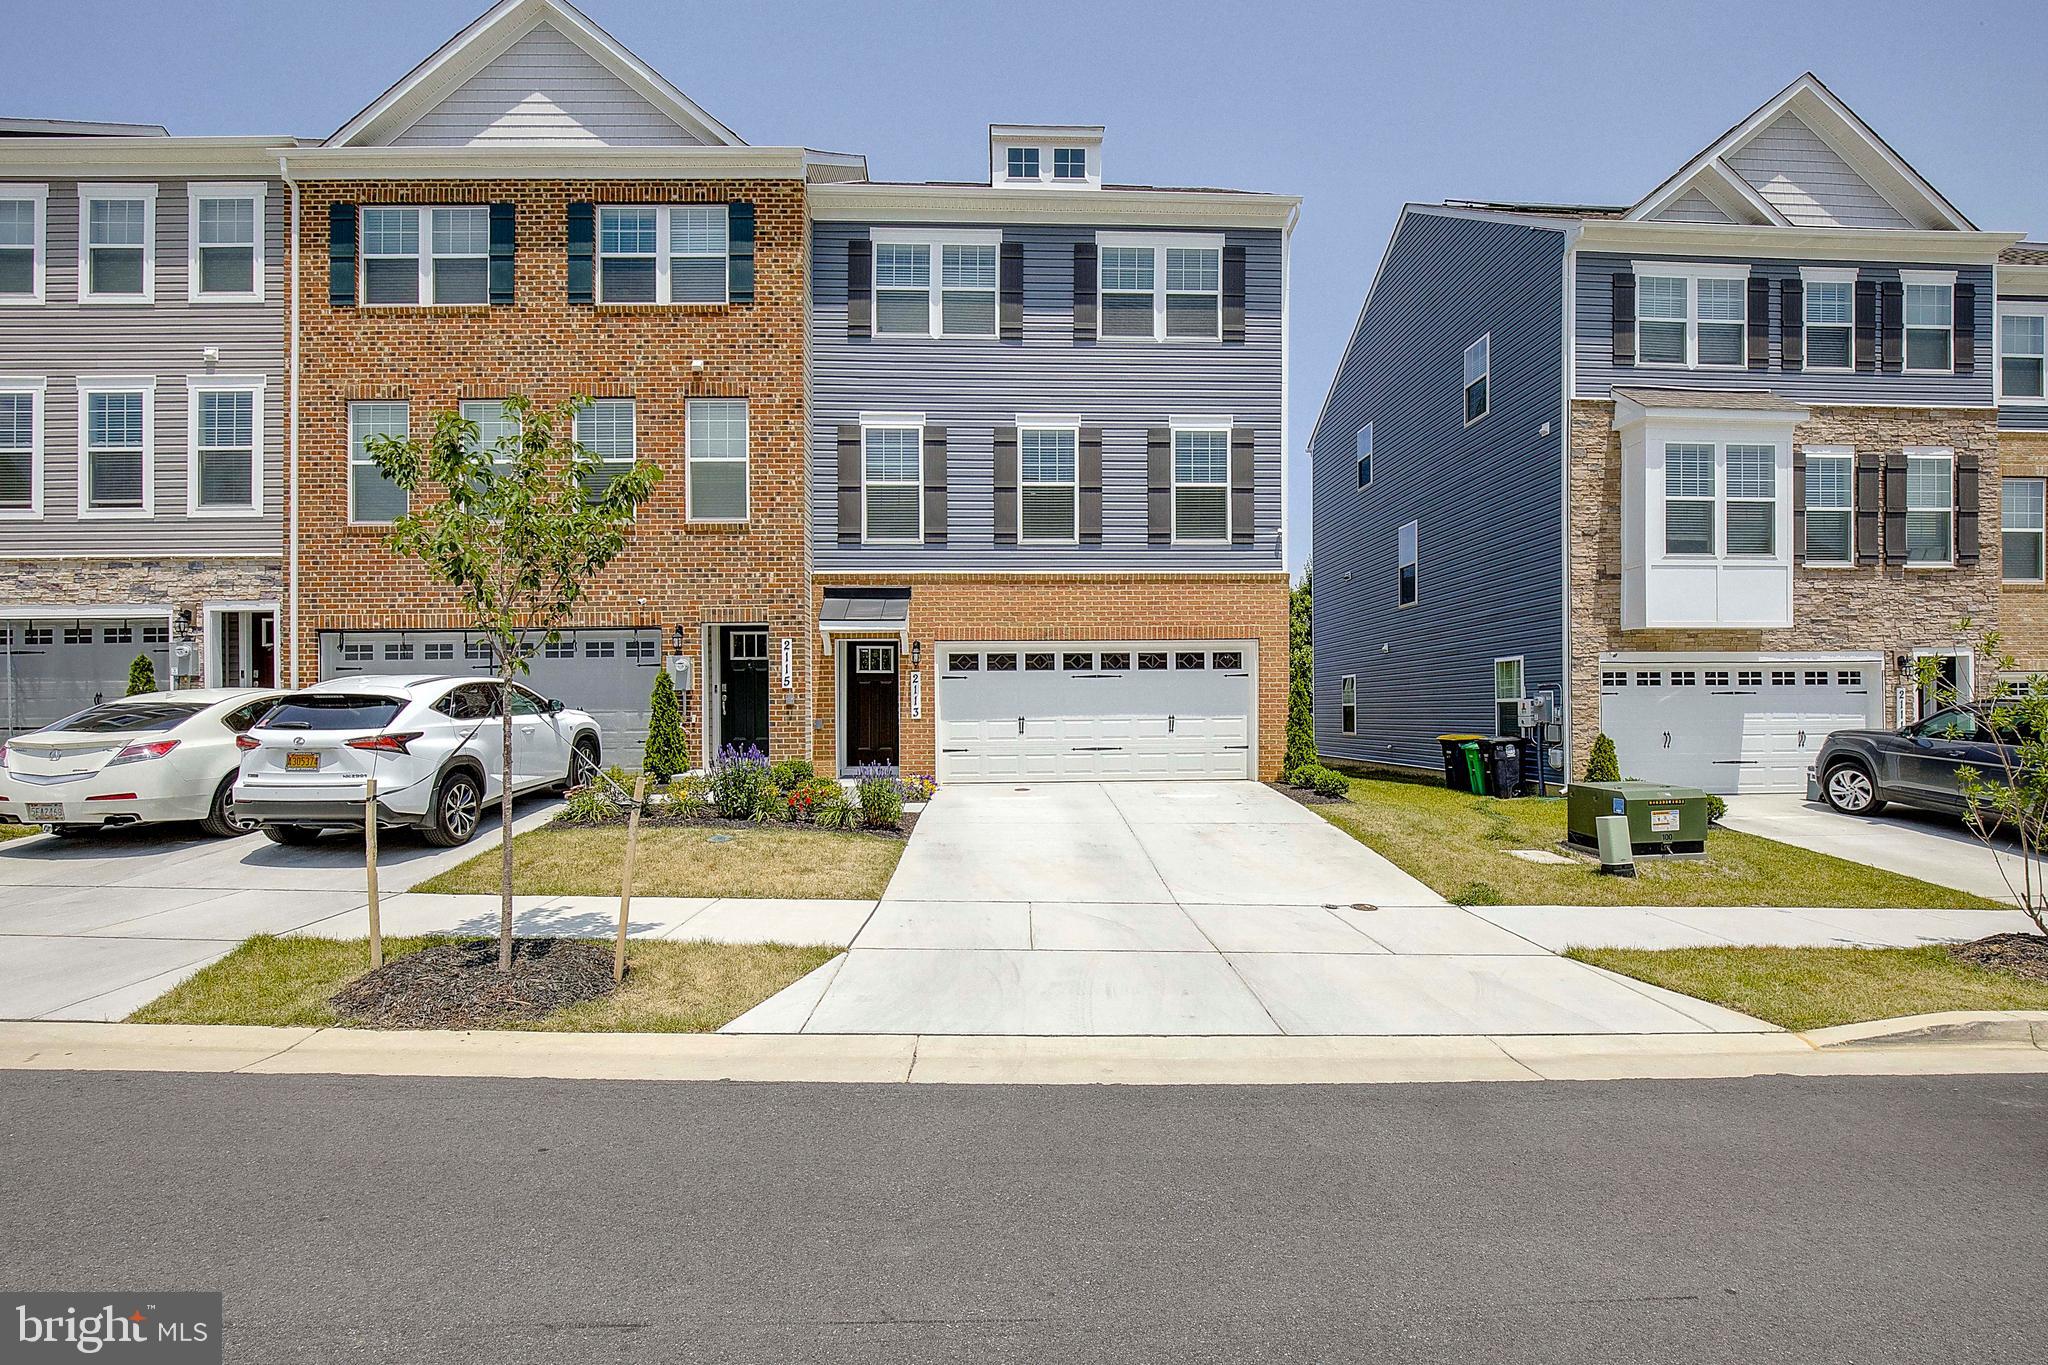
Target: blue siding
x,y
2020,416
1596,372
973,386
1487,497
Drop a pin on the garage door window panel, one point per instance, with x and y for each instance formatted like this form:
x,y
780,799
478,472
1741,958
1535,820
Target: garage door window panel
x,y
892,488
1049,492
1930,508
1201,487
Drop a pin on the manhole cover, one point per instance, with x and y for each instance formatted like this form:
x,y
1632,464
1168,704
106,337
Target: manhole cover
x,y
721,838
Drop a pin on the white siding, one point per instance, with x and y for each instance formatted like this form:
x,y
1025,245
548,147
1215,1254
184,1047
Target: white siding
x,y
1693,207
1804,179
545,91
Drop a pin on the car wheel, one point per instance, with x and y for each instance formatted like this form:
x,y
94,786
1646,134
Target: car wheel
x,y
1851,789
293,836
221,821
458,805
582,762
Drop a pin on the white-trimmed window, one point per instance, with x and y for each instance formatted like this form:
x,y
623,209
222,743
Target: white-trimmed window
x,y
1689,498
496,430
718,459
438,255
21,448
1161,286
1478,361
1201,486
1830,506
892,485
1408,549
24,215
117,243
1752,511
1930,506
2020,525
1365,455
663,253
225,233
1930,299
1692,316
605,428
117,462
1829,341
2023,354
373,499
963,303
1347,704
1048,488
224,433
1508,692
1070,163
1022,163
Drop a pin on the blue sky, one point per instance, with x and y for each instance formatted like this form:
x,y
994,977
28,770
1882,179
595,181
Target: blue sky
x,y
1358,108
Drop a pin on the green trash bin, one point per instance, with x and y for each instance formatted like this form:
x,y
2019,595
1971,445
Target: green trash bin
x,y
1464,763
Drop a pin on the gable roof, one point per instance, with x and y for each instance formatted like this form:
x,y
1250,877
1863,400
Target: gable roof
x,y
464,65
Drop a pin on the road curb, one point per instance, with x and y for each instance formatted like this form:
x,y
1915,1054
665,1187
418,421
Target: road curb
x,y
1947,1028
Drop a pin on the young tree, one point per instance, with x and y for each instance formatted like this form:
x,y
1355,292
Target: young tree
x,y
518,531
667,753
141,676
2009,798
1603,764
1301,673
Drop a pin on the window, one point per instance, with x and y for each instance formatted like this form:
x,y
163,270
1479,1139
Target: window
x,y
1048,494
21,449
1201,486
438,256
1116,661
963,663
1476,363
963,305
1688,498
718,459
1365,455
1830,507
1930,507
1070,163
1038,663
1023,163
1002,663
1661,320
22,217
78,635
1347,704
903,289
1194,292
1507,696
2022,355
1131,269
644,651
1752,512
968,291
1723,322
400,652
496,430
1409,550
116,475
663,253
600,649
605,429
1694,316
372,498
2020,527
698,244
1191,660
439,652
1127,289
1830,316
1078,662
225,261
1227,658
892,487
1930,323
1151,662
226,440
117,262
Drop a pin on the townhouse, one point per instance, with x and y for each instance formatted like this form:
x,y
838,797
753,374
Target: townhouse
x,y
2022,379
1716,472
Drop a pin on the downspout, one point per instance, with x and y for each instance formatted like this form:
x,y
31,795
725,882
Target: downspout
x,y
1568,357
292,453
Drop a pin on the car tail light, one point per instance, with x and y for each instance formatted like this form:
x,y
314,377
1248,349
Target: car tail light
x,y
245,743
112,796
3,755
386,744
136,753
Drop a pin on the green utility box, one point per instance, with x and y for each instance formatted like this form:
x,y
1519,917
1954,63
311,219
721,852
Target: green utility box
x,y
1666,821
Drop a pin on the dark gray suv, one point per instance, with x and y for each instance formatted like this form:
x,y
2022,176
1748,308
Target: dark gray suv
x,y
1858,771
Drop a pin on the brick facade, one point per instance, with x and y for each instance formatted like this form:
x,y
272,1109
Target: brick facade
x,y
2023,607
1882,608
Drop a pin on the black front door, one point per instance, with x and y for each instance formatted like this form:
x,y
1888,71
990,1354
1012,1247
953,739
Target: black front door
x,y
871,704
743,688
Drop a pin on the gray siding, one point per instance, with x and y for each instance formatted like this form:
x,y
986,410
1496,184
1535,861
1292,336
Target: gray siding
x,y
61,341
1597,372
1802,177
973,386
2021,416
1487,497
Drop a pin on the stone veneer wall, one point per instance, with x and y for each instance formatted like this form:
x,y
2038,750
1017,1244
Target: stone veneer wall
x,y
171,584
2023,607
1884,608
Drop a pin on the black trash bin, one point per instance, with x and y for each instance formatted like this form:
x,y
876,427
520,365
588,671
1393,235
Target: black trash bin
x,y
1503,758
1465,763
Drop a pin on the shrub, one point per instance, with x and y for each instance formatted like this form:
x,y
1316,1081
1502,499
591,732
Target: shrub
x,y
141,676
835,812
1602,765
802,799
880,799
1305,776
917,786
739,785
589,805
1330,783
1716,808
668,752
690,794
1301,701
789,773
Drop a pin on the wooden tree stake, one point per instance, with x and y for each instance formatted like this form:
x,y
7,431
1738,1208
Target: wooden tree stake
x,y
370,866
626,890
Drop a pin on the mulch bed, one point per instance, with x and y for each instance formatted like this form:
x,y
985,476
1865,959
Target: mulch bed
x,y
1304,796
2018,954
460,986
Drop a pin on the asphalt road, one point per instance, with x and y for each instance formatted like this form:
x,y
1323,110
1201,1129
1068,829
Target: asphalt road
x,y
360,1219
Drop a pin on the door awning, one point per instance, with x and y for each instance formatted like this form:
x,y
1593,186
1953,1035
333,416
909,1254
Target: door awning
x,y
851,611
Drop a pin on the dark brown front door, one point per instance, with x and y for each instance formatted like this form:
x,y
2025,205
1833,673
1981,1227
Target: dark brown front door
x,y
871,704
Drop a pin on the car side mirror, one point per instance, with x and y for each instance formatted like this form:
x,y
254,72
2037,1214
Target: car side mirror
x,y
555,706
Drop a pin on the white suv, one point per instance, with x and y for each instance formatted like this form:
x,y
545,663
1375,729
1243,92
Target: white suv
x,y
434,744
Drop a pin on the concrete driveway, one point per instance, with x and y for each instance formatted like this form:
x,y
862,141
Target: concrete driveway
x,y
1933,848
1186,909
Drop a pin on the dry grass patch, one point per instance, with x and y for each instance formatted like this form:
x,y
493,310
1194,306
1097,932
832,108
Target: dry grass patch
x,y
689,860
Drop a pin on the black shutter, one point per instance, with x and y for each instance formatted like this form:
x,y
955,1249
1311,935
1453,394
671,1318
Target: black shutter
x,y
1624,318
935,485
1010,291
1968,492
341,255
860,287
1895,507
1159,485
1966,327
1233,293
1792,324
1866,326
739,252
1799,501
1243,510
504,246
1869,549
1891,326
1006,486
1759,323
582,254
1091,485
849,485
1085,281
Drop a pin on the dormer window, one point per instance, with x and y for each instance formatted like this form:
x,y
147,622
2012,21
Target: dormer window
x,y
1023,163
1068,156
1068,163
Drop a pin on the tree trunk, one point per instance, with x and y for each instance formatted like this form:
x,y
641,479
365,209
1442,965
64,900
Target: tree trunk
x,y
505,818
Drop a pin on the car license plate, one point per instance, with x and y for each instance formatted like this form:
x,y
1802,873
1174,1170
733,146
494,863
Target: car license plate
x,y
301,762
1664,822
46,810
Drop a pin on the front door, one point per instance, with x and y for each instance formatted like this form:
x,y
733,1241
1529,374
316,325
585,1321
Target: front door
x,y
871,705
263,650
743,688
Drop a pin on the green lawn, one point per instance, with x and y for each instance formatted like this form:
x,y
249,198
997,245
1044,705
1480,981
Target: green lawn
x,y
1807,988
1458,844
669,987
691,860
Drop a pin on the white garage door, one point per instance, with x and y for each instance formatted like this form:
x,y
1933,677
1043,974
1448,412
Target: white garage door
x,y
1084,713
1732,726
52,669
